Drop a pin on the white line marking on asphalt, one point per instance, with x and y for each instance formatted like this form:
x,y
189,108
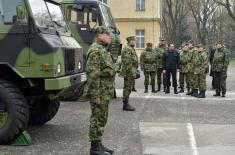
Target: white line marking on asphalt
x,y
230,96
148,95
192,139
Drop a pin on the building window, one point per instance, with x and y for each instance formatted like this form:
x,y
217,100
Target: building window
x,y
140,5
140,39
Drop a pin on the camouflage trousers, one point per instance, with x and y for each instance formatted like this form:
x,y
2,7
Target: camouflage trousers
x,y
98,120
128,85
192,80
152,76
220,81
200,82
184,78
161,78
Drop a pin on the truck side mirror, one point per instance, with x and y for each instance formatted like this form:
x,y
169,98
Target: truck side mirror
x,y
118,32
20,9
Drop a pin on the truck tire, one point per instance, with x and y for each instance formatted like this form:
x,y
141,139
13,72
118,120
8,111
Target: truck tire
x,y
43,111
15,106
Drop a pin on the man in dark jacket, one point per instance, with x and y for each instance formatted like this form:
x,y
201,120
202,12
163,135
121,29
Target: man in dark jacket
x,y
212,53
170,67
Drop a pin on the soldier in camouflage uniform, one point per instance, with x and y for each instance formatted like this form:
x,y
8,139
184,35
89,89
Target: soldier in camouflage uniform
x,y
100,70
160,49
200,63
219,67
128,71
148,63
184,59
191,54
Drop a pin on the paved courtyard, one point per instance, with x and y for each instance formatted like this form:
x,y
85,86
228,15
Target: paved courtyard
x,y
161,125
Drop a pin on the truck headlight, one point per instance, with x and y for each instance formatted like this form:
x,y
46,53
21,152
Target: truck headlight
x,y
59,68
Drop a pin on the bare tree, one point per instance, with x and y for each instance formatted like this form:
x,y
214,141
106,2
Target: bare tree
x,y
202,11
173,21
229,5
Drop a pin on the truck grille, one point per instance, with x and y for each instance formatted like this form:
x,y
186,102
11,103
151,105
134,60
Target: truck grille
x,y
115,49
72,59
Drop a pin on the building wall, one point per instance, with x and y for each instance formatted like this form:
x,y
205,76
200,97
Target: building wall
x,y
127,9
128,19
152,31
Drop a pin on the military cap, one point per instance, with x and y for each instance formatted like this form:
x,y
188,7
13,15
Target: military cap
x,y
162,39
184,44
102,29
149,44
199,45
130,38
190,42
218,42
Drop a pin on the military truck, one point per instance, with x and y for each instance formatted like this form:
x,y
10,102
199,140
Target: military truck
x,y
40,64
84,16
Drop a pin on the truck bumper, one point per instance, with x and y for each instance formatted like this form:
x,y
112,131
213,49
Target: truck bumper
x,y
65,81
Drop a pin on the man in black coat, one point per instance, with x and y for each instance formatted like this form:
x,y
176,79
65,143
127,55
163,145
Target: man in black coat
x,y
212,53
170,64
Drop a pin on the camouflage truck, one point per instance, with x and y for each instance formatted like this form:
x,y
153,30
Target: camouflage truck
x,y
40,64
84,16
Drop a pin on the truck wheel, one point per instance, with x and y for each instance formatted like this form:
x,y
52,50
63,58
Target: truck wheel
x,y
14,112
42,110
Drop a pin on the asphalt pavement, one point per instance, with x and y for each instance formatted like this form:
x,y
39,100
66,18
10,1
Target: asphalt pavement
x,y
161,125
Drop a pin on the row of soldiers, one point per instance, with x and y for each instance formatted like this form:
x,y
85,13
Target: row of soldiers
x,y
101,71
191,62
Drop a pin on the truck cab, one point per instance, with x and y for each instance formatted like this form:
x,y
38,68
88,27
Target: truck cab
x,y
41,63
84,16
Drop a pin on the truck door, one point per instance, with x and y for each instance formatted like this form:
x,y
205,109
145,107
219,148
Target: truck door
x,y
85,18
14,48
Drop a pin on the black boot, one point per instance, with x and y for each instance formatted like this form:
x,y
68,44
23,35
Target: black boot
x,y
153,89
202,94
159,87
189,92
127,107
223,94
217,94
107,149
175,90
115,94
97,149
164,88
133,89
146,89
195,93
167,90
181,90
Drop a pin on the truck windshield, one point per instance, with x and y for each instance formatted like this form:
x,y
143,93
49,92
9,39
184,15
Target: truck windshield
x,y
47,14
40,13
107,16
57,16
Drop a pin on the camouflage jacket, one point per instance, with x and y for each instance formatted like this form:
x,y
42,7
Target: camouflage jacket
x,y
184,60
200,62
100,70
148,60
192,53
221,60
129,62
160,49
